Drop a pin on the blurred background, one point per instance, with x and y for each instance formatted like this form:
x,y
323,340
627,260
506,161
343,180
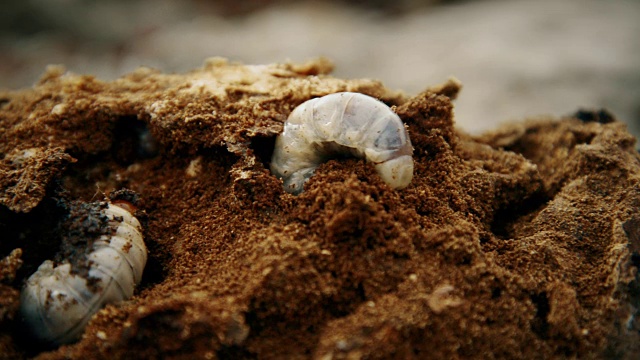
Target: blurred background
x,y
515,58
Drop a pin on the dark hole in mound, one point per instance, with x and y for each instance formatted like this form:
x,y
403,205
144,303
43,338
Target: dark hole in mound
x,y
504,219
132,141
539,324
584,138
496,293
234,352
262,147
635,259
36,233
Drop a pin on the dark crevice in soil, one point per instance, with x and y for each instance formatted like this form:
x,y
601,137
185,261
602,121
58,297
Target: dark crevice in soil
x,y
234,352
219,155
36,232
263,148
539,325
504,219
83,179
154,271
132,141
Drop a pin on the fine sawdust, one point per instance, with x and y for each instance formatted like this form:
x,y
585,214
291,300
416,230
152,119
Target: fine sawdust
x,y
522,243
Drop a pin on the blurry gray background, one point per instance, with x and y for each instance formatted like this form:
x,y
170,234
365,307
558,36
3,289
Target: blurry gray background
x,y
515,58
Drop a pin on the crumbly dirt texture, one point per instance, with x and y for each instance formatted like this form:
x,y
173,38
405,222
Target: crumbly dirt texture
x,y
521,243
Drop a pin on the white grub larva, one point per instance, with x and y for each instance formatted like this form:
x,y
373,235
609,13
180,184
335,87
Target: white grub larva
x,y
342,123
57,302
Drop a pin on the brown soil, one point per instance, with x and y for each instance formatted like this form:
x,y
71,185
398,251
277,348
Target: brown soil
x,y
522,243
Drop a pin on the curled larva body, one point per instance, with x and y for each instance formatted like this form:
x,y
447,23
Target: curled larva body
x,y
342,123
57,303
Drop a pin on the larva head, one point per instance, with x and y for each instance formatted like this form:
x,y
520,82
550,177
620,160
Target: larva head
x,y
126,199
126,205
396,172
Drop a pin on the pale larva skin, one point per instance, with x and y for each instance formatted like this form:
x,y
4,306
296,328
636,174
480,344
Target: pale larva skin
x,y
57,305
342,123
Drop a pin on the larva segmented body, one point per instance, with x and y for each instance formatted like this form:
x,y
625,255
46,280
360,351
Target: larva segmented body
x,y
56,303
342,123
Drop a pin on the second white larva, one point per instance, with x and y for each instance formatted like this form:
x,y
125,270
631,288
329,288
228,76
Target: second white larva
x,y
342,123
56,303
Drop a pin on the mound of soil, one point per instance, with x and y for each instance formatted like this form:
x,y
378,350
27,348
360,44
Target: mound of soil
x,y
521,243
